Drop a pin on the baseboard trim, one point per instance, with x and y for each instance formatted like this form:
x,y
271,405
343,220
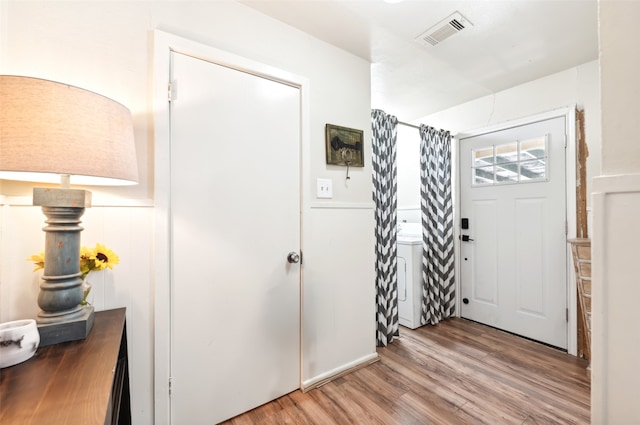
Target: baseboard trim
x,y
329,376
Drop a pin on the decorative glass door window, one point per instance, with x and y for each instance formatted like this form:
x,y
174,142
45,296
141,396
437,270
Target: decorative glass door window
x,y
515,162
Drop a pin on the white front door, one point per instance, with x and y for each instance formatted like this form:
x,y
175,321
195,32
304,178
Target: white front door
x,y
235,216
513,203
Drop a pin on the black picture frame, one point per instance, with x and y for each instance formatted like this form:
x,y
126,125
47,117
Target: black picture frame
x,y
344,146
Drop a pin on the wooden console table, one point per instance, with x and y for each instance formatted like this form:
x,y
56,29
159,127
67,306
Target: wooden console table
x,y
80,382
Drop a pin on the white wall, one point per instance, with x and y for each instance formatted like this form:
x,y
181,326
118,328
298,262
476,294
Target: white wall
x,y
579,86
616,208
408,166
107,47
620,88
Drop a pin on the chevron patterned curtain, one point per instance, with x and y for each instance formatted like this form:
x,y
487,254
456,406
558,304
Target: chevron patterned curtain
x,y
438,292
386,202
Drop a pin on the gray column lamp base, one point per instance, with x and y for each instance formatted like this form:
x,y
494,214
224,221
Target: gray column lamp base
x,y
61,317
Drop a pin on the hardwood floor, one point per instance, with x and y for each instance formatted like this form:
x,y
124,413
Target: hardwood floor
x,y
458,372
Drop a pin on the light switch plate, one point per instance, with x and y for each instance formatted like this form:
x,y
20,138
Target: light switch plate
x,y
325,189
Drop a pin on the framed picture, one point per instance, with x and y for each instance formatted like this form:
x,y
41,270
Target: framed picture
x,y
344,146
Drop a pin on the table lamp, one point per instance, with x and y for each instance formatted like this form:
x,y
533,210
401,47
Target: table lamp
x,y
52,132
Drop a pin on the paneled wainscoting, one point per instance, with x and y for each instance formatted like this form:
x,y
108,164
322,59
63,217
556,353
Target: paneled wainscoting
x,y
458,372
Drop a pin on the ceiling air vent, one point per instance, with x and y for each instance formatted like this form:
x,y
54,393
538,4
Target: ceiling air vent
x,y
444,29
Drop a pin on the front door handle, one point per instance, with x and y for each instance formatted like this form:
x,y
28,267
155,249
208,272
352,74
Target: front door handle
x,y
465,238
293,257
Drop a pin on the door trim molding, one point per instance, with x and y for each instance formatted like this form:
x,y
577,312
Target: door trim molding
x,y
615,201
163,44
570,216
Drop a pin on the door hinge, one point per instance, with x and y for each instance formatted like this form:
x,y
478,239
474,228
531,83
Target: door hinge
x,y
301,257
169,386
566,314
566,227
171,91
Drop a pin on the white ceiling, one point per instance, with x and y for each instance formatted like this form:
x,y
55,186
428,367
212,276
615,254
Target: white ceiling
x,y
511,42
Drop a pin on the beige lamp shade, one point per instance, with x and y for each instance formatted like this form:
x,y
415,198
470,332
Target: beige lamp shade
x,y
49,129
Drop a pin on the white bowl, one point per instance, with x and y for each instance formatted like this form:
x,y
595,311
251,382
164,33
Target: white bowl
x,y
18,341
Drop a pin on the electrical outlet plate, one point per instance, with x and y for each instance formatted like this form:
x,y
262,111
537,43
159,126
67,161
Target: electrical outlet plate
x,y
324,188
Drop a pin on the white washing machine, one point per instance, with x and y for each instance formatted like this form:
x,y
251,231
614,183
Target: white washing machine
x,y
410,274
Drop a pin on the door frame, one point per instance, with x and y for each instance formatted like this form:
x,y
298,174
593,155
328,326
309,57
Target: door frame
x,y
570,193
163,44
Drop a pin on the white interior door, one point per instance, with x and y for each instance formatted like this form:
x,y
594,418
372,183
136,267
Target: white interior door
x,y
235,216
513,267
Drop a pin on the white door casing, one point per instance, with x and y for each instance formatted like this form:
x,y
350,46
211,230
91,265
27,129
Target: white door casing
x,y
273,309
514,271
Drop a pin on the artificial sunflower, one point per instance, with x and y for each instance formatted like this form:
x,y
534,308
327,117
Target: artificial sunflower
x,y
98,258
38,260
105,257
86,261
91,259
